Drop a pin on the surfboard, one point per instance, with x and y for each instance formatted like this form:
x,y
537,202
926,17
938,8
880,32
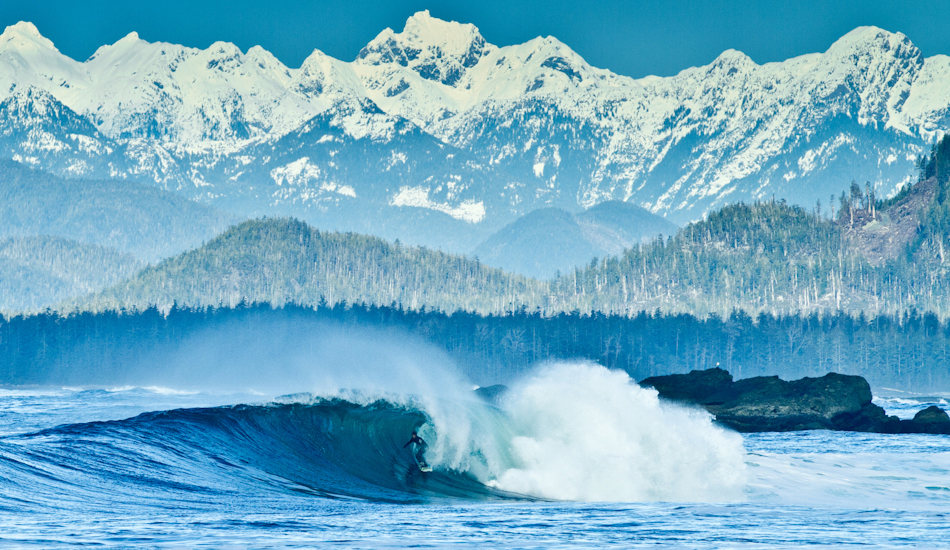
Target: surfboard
x,y
423,467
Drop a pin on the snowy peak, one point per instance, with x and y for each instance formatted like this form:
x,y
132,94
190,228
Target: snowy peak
x,y
461,42
543,65
436,50
268,64
125,43
874,53
871,38
113,52
27,58
732,61
322,75
24,36
873,57
223,57
877,66
131,56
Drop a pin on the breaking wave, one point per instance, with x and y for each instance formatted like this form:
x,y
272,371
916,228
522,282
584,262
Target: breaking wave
x,y
570,431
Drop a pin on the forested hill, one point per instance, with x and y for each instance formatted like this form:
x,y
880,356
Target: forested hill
x,y
870,255
760,257
862,254
281,261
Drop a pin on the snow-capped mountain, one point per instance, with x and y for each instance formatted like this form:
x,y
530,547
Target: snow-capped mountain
x,y
436,128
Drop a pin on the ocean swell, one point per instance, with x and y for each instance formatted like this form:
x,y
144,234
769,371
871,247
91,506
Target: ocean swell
x,y
568,432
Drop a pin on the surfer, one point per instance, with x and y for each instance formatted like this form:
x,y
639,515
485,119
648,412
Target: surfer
x,y
418,441
419,447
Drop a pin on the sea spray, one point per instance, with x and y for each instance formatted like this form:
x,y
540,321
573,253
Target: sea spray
x,y
592,444
583,432
256,476
572,431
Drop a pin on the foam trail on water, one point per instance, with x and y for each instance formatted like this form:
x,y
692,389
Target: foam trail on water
x,y
582,432
889,480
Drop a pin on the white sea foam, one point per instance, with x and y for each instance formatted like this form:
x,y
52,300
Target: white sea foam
x,y
878,480
578,431
586,433
161,390
117,389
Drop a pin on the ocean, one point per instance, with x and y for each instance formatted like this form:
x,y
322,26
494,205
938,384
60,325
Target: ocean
x,y
574,455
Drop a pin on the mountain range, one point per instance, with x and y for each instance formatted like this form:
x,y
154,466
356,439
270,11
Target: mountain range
x,y
434,136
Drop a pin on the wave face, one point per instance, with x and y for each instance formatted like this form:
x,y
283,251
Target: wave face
x,y
570,432
329,448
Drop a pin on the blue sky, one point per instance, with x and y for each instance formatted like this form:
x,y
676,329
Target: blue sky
x,y
634,38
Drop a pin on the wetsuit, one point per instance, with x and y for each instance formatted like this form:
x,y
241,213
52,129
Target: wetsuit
x,y
415,439
418,451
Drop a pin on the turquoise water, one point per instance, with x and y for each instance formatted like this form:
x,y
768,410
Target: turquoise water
x,y
152,467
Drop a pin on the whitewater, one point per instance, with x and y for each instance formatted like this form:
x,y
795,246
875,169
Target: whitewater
x,y
572,455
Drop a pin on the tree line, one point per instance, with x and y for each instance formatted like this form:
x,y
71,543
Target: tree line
x,y
772,257
908,351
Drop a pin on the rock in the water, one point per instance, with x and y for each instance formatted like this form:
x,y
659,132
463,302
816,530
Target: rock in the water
x,y
932,420
767,403
703,387
932,415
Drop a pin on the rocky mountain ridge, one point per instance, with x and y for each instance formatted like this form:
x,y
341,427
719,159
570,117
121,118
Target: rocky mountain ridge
x,y
435,120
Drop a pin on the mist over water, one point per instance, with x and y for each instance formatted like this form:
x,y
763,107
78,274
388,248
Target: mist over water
x,y
321,358
297,437
565,431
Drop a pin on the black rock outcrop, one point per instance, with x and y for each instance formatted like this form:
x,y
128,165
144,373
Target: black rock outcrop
x,y
767,403
932,420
